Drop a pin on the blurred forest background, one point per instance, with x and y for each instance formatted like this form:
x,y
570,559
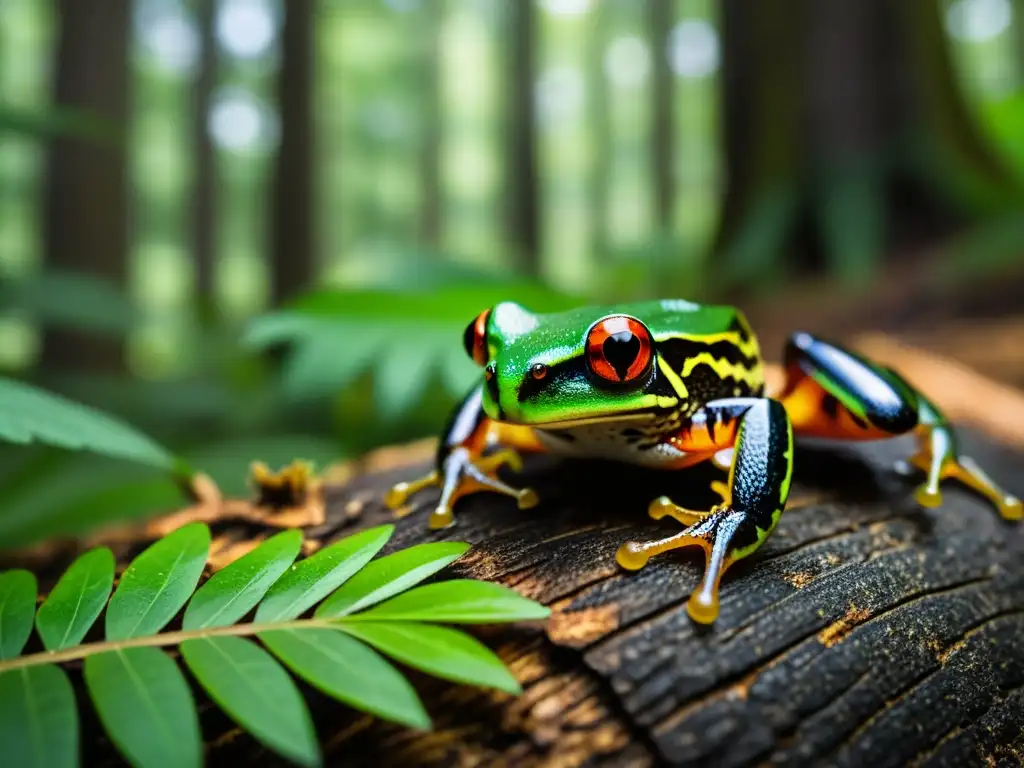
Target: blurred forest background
x,y
256,228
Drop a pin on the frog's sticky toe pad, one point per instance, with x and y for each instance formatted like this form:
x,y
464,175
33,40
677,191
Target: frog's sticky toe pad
x,y
927,497
632,556
702,607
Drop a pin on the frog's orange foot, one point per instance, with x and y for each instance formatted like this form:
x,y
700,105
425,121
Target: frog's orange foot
x,y
711,531
968,472
461,475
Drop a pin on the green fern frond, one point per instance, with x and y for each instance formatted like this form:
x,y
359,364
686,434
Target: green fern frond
x,y
28,414
366,612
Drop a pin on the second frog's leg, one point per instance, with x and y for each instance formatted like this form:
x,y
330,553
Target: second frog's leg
x,y
463,467
758,486
831,392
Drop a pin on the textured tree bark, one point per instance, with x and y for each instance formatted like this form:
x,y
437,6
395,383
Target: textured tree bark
x,y
86,192
294,245
866,631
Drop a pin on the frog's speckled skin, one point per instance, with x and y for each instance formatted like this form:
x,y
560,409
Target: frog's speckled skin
x,y
669,384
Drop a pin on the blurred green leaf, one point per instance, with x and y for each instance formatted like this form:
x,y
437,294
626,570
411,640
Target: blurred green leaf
x,y
459,601
57,121
38,719
80,302
28,414
158,583
323,364
256,692
389,575
438,651
312,579
235,589
344,668
146,707
402,373
79,492
70,610
17,609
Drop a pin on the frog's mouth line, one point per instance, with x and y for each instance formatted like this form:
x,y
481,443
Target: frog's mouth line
x,y
635,416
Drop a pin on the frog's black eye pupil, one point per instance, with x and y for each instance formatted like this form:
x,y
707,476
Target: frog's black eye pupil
x,y
621,350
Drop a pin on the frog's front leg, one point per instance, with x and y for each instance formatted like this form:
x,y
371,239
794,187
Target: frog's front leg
x,y
462,468
831,392
759,478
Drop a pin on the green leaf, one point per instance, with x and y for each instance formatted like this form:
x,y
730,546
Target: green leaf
x,y
390,575
312,579
158,583
349,671
28,414
82,302
438,651
324,364
77,600
404,370
256,692
79,493
17,608
459,601
233,591
38,719
146,707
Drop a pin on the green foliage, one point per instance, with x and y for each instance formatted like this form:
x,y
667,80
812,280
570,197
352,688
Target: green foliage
x,y
141,695
17,605
405,334
28,414
76,602
39,726
68,300
143,605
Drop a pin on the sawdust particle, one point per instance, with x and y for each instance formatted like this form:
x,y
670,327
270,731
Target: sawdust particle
x,y
837,630
800,579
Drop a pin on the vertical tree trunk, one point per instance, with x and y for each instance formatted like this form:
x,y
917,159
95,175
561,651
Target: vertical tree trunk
x,y
659,20
204,197
597,103
293,243
1018,28
430,172
86,190
522,192
843,121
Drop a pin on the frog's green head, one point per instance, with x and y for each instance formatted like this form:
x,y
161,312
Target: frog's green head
x,y
566,369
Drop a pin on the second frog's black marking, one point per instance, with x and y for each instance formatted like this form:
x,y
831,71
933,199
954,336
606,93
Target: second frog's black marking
x,y
620,350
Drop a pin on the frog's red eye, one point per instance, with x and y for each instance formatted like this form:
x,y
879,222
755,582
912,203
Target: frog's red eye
x,y
619,348
475,338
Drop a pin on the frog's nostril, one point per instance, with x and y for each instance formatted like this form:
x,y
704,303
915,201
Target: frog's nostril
x,y
491,381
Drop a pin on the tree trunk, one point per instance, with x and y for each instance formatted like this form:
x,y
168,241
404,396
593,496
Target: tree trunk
x,y
597,107
86,189
430,172
293,242
522,191
663,169
844,124
204,191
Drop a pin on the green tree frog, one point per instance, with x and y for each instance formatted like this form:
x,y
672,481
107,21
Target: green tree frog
x,y
667,384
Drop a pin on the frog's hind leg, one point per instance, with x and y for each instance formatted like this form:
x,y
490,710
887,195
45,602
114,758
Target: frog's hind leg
x,y
462,467
831,392
758,486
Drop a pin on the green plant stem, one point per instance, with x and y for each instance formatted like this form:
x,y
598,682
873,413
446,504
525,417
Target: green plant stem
x,y
162,639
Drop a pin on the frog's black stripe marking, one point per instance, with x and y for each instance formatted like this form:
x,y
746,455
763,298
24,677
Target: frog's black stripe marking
x,y
761,465
676,352
739,326
560,375
886,404
462,423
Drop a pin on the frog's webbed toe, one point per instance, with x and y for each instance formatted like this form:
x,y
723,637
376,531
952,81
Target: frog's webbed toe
x,y
462,474
713,533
